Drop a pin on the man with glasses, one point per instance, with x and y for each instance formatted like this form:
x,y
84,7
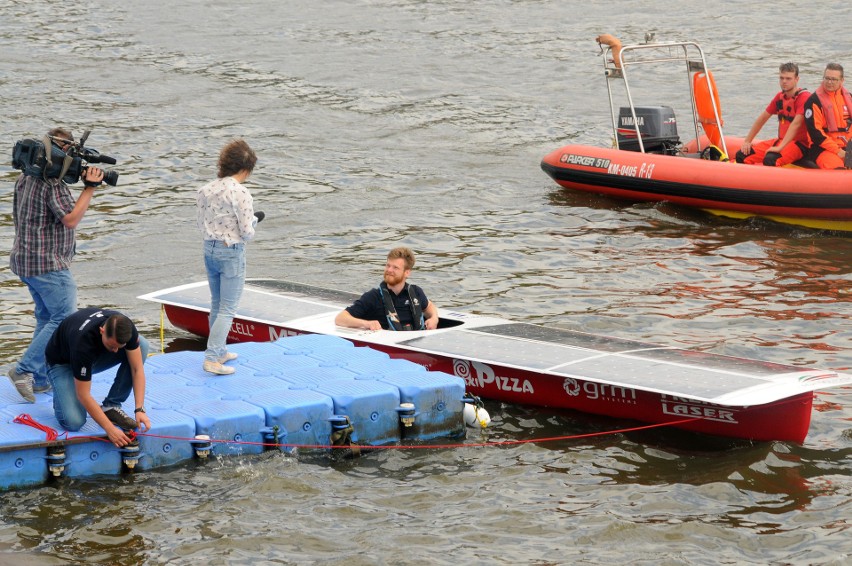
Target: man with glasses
x,y
828,116
46,215
792,142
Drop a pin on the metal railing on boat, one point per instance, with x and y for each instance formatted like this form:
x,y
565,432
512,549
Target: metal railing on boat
x,y
617,60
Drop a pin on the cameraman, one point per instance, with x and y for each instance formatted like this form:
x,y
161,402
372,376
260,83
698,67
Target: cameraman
x,y
46,215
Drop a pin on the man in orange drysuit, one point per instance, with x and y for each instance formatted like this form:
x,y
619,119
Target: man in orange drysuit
x,y
828,116
792,142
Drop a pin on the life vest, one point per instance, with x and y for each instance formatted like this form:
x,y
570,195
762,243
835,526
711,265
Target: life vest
x,y
826,101
390,309
787,106
786,112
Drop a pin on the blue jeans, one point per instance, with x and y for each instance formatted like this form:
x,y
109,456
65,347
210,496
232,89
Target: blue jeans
x,y
69,411
55,296
226,272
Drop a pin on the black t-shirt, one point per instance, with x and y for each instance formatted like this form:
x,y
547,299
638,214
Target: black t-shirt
x,y
77,342
371,307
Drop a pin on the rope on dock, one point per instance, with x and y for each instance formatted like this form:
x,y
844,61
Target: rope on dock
x,y
52,435
26,419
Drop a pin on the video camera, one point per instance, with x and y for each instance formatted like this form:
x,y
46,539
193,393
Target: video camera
x,y
30,157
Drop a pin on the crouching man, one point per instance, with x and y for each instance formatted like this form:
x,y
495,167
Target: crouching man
x,y
87,342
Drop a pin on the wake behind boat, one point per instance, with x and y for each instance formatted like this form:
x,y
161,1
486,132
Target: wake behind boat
x,y
540,366
648,162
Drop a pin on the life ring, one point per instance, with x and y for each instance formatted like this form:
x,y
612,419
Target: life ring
x,y
702,85
614,45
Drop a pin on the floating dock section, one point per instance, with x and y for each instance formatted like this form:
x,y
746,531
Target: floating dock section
x,y
308,391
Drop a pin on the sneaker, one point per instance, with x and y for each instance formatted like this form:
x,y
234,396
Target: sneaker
x,y
41,388
119,418
23,382
229,357
217,368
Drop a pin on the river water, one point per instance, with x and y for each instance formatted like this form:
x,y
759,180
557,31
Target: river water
x,y
380,123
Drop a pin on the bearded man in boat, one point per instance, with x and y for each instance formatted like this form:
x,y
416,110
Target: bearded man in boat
x,y
792,142
828,115
394,304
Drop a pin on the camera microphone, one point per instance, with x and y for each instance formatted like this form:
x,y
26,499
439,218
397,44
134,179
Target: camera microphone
x,y
106,159
94,156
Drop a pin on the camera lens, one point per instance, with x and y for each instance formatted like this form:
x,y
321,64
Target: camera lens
x,y
111,177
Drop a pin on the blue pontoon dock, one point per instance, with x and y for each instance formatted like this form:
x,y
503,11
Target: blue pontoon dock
x,y
308,391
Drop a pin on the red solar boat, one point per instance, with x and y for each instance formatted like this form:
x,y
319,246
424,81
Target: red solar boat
x,y
541,366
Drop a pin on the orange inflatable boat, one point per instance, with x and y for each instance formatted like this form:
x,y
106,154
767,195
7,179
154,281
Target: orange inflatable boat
x,y
649,163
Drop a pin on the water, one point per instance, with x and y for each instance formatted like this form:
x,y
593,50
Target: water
x,y
423,123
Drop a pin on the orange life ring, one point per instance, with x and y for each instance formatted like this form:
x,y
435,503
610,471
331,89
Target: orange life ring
x,y
702,85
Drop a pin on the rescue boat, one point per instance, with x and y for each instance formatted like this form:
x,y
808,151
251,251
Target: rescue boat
x,y
534,365
648,162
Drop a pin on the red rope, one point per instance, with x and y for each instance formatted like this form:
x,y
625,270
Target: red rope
x,y
431,446
52,435
25,419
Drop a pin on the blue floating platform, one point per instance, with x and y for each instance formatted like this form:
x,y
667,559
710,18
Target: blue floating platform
x,y
303,391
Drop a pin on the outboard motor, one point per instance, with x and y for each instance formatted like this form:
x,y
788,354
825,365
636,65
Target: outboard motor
x,y
657,126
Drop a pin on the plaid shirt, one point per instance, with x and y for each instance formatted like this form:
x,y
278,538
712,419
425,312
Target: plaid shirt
x,y
42,243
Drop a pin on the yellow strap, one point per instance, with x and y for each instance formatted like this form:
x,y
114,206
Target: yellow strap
x,y
162,329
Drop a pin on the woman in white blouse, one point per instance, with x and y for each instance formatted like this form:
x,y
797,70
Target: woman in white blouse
x,y
227,221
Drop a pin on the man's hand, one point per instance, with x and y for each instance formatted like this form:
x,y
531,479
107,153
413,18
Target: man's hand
x,y
144,421
117,437
432,323
93,176
346,320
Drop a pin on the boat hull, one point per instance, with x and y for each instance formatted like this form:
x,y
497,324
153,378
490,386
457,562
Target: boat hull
x,y
807,197
537,366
